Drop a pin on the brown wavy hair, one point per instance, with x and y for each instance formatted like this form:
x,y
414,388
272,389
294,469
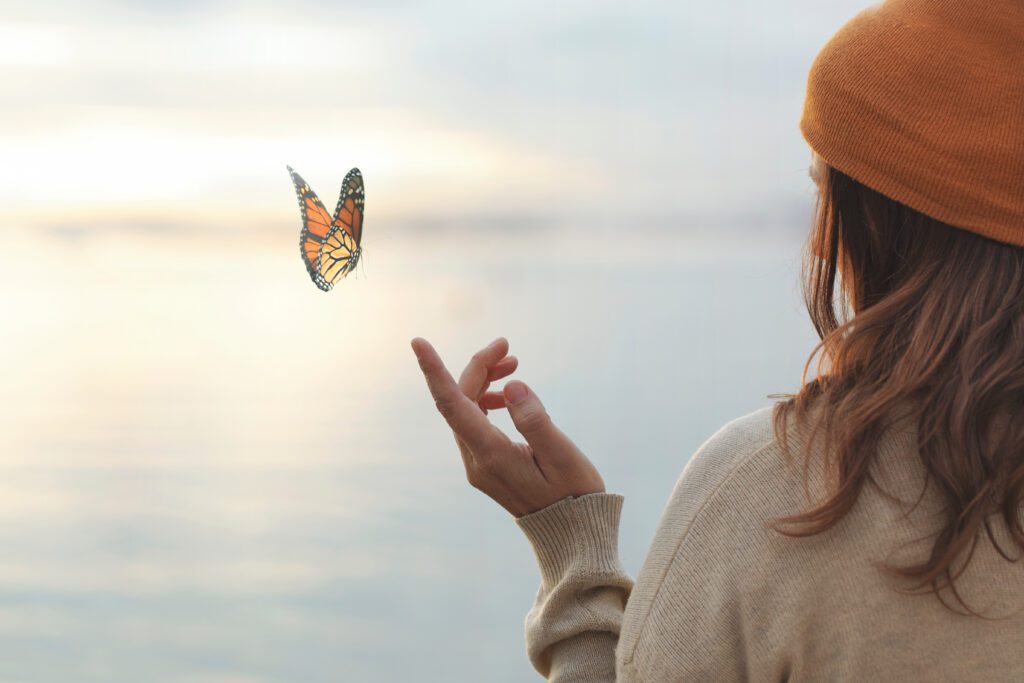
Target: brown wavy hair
x,y
925,315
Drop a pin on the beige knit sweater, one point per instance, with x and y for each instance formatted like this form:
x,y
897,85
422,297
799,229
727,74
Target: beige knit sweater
x,y
721,598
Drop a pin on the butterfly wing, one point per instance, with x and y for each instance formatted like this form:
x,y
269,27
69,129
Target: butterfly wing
x,y
348,215
339,255
316,224
342,245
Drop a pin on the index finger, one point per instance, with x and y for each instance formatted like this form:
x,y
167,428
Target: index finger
x,y
463,415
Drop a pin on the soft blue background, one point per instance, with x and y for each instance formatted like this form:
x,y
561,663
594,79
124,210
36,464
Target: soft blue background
x,y
212,472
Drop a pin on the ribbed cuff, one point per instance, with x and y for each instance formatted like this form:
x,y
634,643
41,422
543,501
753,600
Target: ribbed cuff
x,y
588,657
579,533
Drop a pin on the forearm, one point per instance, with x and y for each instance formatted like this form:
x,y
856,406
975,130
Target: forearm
x,y
573,627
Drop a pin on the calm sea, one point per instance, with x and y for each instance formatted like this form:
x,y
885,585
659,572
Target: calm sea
x,y
212,472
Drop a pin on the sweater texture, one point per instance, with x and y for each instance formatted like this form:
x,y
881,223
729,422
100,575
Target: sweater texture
x,y
722,598
923,101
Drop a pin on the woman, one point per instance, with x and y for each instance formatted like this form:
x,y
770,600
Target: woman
x,y
869,526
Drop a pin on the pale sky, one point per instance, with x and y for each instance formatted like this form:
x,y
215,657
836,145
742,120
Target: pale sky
x,y
168,115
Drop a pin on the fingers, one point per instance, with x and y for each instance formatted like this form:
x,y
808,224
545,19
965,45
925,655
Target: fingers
x,y
492,400
473,380
462,414
503,368
489,400
532,420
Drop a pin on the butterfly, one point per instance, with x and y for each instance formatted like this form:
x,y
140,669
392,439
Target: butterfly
x,y
331,246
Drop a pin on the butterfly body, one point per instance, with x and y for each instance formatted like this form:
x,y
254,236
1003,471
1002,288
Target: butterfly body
x,y
330,246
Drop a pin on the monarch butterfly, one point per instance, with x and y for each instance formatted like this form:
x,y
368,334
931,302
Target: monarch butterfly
x,y
330,246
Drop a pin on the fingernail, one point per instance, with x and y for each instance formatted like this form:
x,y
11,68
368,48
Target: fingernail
x,y
494,343
514,393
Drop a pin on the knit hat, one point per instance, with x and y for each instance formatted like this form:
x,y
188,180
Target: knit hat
x,y
923,101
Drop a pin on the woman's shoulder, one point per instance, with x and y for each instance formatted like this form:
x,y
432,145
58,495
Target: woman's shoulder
x,y
710,540
742,453
738,438
736,482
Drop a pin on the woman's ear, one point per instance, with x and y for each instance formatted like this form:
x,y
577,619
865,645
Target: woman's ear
x,y
816,169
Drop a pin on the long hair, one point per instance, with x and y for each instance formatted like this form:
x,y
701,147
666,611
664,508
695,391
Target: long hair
x,y
912,311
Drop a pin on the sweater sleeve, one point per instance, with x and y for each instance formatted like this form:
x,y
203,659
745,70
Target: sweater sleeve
x,y
573,627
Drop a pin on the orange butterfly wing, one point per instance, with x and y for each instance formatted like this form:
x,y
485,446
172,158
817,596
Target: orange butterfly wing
x,y
316,223
349,213
342,246
338,256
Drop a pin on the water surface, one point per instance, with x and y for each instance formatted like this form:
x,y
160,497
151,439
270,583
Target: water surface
x,y
214,473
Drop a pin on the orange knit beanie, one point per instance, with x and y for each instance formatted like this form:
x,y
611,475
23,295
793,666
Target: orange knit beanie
x,y
923,101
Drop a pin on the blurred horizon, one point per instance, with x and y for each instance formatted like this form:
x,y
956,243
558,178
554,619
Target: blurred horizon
x,y
183,116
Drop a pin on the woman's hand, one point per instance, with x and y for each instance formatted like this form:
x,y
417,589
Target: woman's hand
x,y
521,477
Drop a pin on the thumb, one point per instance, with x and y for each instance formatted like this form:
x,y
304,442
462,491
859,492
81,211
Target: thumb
x,y
532,420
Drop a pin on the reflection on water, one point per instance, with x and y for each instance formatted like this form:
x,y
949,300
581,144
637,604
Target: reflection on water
x,y
214,473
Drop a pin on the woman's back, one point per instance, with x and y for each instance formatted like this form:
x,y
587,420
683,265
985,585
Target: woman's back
x,y
723,597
